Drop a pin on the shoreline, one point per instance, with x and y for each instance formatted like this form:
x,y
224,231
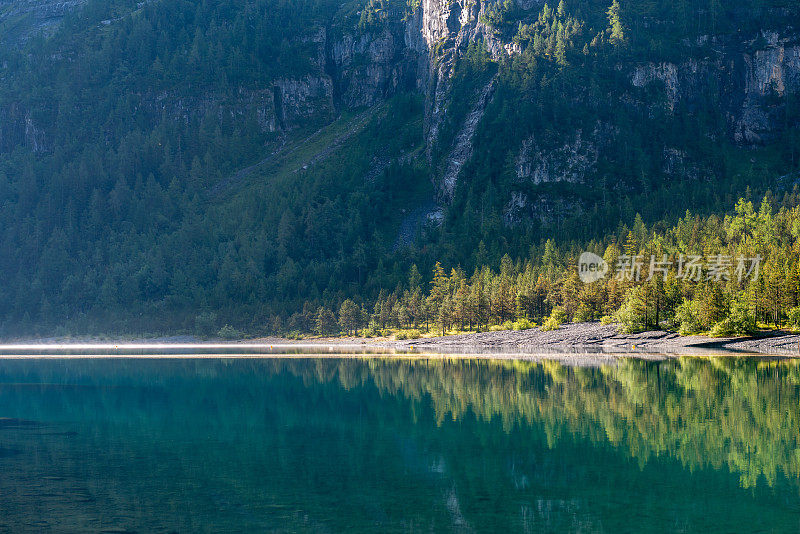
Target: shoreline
x,y
587,339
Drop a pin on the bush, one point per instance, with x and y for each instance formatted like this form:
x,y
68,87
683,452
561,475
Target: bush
x,y
523,324
408,334
583,314
560,315
632,315
552,323
229,332
724,328
741,321
205,324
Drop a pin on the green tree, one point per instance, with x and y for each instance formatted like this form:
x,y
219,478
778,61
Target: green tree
x,y
350,317
325,321
616,29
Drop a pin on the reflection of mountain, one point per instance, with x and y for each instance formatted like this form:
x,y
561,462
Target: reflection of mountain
x,y
398,445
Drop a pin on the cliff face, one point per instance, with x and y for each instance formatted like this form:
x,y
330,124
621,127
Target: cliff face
x,y
19,128
749,75
350,68
22,19
749,84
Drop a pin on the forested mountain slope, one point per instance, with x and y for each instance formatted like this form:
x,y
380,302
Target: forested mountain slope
x,y
162,161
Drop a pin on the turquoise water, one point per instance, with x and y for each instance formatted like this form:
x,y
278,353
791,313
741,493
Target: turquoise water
x,y
383,445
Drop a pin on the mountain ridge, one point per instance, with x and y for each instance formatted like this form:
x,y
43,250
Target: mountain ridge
x,y
509,123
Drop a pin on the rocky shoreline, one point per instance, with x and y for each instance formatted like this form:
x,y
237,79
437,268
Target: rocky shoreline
x,y
596,337
571,339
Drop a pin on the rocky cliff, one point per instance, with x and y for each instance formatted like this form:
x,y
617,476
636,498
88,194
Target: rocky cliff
x,y
22,19
418,48
750,83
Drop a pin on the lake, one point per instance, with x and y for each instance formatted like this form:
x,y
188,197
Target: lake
x,y
385,444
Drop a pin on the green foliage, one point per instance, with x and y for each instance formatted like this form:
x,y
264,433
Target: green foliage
x,y
632,316
615,29
205,324
350,318
687,317
560,315
373,13
498,13
132,216
793,317
325,322
550,324
230,333
555,320
552,35
408,334
740,322
522,324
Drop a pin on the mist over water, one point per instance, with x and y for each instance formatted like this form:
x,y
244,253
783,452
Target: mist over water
x,y
379,444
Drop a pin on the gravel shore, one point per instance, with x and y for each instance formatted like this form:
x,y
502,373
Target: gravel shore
x,y
591,337
571,339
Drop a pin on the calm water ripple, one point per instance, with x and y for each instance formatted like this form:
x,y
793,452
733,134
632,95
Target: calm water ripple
x,y
409,445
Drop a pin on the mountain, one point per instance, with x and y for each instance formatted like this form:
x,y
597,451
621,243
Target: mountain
x,y
163,163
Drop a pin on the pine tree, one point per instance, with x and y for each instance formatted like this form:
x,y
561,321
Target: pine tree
x,y
561,48
440,290
349,317
325,321
616,29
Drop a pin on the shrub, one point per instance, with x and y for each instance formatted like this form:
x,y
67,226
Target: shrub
x,y
560,315
205,324
408,334
552,323
724,328
583,314
523,324
229,332
632,315
741,321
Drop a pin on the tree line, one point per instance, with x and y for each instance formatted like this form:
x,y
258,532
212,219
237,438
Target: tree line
x,y
749,277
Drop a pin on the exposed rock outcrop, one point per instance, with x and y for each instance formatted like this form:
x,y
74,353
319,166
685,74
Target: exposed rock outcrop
x,y
462,148
369,67
524,207
299,100
22,19
539,163
742,83
447,29
352,68
18,127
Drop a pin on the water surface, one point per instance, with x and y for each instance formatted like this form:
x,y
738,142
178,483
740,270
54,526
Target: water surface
x,y
388,445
